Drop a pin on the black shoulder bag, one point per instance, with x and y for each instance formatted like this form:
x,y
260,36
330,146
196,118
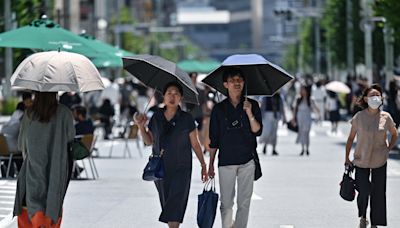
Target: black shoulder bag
x,y
155,169
247,132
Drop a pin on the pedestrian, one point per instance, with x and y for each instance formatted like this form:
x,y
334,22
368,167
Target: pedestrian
x,y
394,101
197,110
332,106
234,125
302,112
83,125
46,129
174,132
371,125
70,99
272,109
106,113
319,95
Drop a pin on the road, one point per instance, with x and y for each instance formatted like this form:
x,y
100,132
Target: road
x,y
300,192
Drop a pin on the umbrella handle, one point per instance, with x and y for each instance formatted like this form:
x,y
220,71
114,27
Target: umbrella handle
x,y
147,105
245,90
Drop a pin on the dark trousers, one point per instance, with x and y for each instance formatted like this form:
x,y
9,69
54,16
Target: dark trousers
x,y
375,191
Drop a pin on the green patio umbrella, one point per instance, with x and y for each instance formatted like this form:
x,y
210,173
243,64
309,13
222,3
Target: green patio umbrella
x,y
109,56
205,66
44,34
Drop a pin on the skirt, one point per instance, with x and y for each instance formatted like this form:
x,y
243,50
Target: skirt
x,y
270,129
39,219
173,192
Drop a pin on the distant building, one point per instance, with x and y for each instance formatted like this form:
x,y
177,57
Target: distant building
x,y
225,27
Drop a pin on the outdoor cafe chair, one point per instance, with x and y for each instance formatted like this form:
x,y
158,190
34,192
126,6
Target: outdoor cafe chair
x,y
89,140
131,132
6,154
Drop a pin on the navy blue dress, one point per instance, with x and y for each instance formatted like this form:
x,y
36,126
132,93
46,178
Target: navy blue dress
x,y
173,137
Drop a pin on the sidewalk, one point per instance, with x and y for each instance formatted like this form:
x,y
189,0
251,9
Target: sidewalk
x,y
300,192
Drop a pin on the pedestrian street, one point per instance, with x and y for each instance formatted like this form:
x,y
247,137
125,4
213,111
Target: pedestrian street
x,y
294,191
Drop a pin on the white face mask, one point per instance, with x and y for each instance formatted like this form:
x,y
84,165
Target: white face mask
x,y
374,102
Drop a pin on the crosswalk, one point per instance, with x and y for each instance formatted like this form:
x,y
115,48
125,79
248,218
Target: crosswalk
x,y
7,195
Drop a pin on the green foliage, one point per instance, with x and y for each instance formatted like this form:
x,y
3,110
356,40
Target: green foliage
x,y
26,10
306,44
152,43
290,60
129,41
390,10
334,24
8,106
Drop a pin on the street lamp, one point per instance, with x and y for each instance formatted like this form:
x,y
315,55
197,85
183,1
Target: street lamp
x,y
388,40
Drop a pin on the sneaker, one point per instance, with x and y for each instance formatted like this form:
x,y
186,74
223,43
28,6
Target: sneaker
x,y
274,153
265,150
302,153
363,223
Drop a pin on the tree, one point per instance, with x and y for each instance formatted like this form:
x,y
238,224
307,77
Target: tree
x,y
129,41
153,42
290,61
334,23
306,44
389,9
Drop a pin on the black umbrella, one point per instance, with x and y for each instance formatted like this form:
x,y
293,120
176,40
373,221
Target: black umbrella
x,y
155,72
262,77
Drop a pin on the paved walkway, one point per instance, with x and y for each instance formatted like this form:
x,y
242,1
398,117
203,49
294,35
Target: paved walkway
x,y
300,192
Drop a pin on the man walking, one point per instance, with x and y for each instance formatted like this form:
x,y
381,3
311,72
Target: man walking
x,y
235,122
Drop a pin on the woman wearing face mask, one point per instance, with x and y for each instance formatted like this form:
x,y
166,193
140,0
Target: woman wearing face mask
x,y
372,149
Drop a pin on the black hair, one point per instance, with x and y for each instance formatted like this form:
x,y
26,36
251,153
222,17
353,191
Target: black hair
x,y
20,106
80,110
308,96
44,106
173,84
230,72
26,95
361,103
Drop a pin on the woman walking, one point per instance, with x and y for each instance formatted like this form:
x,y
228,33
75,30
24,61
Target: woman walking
x,y
332,106
46,129
371,125
174,132
272,111
302,113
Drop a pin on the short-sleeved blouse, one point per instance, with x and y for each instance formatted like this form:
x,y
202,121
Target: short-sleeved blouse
x,y
372,147
173,137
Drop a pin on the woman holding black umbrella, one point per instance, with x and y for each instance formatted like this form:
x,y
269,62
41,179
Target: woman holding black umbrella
x,y
174,132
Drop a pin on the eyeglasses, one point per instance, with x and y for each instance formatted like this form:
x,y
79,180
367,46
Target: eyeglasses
x,y
237,80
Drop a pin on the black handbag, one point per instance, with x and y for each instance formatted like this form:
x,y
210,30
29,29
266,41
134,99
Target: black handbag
x,y
292,127
257,171
348,186
154,169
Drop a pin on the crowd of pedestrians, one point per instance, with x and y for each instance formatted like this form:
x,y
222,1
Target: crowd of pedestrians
x,y
228,127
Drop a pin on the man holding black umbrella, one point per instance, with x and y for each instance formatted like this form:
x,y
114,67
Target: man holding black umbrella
x,y
234,125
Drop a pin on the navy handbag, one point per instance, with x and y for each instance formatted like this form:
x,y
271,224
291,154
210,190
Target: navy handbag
x,y
347,186
207,205
154,169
